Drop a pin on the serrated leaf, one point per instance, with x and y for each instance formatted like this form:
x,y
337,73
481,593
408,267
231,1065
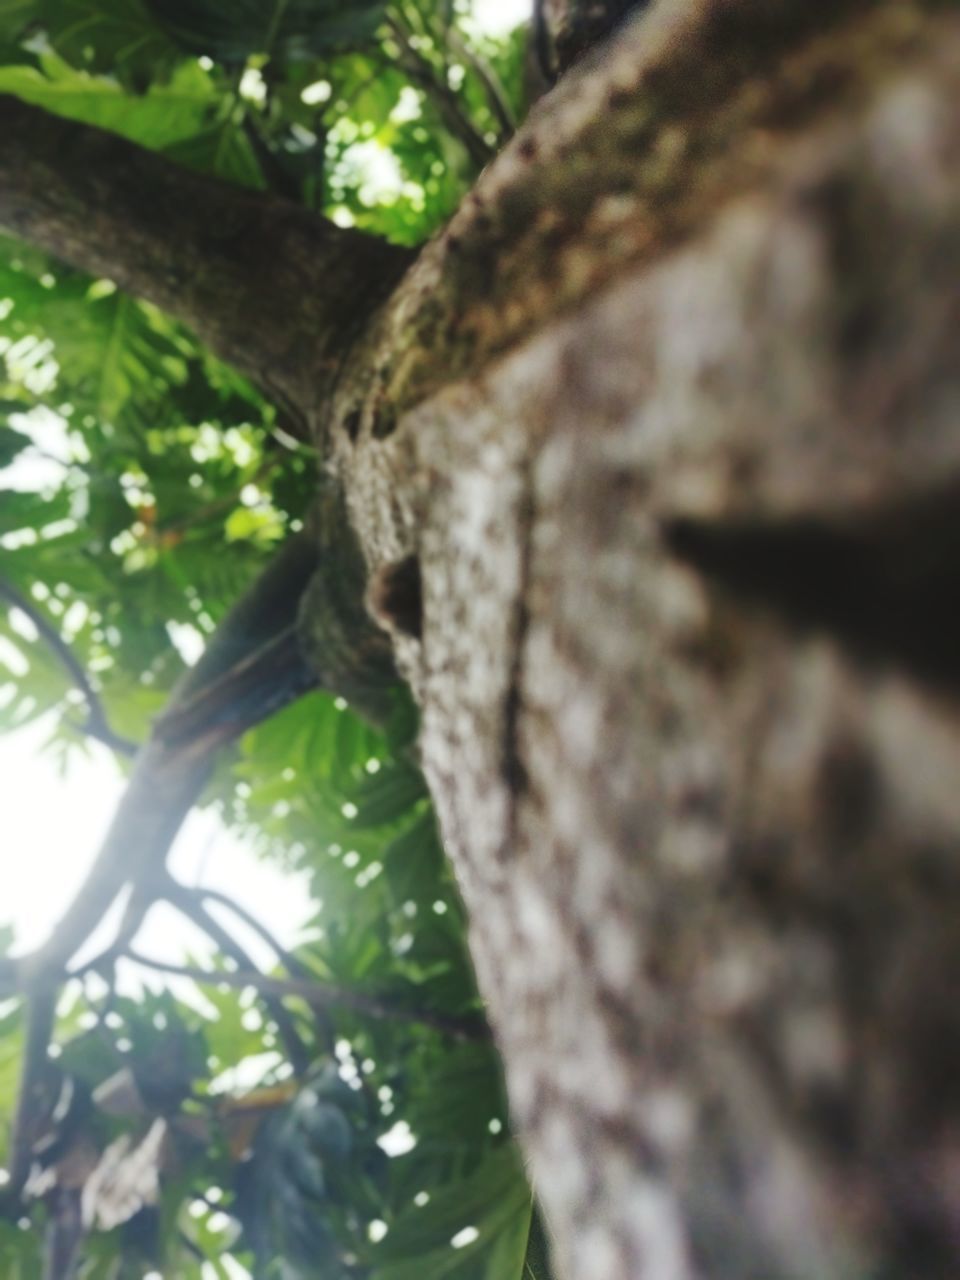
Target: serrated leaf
x,y
495,1200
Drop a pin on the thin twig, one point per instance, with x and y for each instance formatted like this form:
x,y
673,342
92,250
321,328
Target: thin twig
x,y
189,904
296,968
97,725
496,98
286,958
318,995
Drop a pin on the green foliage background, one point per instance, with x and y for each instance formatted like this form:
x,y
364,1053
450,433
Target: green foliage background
x,y
167,482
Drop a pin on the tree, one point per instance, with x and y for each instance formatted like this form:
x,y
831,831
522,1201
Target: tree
x,y
647,461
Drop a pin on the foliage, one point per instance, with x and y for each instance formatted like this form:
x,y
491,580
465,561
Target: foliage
x,y
144,484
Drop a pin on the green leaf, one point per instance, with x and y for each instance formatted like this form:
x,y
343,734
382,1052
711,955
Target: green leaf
x,y
295,28
414,859
223,150
164,115
495,1201
387,795
15,15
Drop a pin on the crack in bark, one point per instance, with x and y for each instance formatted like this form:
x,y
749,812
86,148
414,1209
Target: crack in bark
x,y
512,768
884,582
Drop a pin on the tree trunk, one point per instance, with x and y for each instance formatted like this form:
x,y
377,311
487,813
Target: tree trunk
x,y
567,29
653,457
687,643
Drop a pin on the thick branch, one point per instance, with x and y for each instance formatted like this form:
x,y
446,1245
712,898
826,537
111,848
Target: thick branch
x,y
570,28
269,286
612,167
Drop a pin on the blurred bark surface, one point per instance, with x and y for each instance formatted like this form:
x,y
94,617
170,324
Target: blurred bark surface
x,y
670,418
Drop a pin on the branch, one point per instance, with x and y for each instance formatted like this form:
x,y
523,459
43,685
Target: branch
x,y
496,98
35,1073
322,997
172,768
421,70
64,1234
97,725
188,902
296,968
257,686
167,779
213,255
286,957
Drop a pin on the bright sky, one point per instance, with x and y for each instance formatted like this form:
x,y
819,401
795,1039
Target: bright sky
x,y
497,16
53,825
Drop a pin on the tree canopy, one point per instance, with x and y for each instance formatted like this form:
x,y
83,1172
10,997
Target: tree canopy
x,y
240,1116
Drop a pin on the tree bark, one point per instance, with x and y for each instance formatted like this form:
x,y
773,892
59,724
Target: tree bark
x,y
652,457
668,419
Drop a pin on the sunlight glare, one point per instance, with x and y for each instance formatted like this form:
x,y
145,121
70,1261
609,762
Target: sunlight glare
x,y
53,826
497,17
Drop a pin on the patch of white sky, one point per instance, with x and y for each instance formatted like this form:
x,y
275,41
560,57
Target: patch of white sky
x,y
54,821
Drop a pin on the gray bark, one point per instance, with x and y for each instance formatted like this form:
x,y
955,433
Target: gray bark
x,y
679,475
652,458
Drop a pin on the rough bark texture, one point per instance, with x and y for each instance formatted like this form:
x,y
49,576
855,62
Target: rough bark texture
x,y
695,767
